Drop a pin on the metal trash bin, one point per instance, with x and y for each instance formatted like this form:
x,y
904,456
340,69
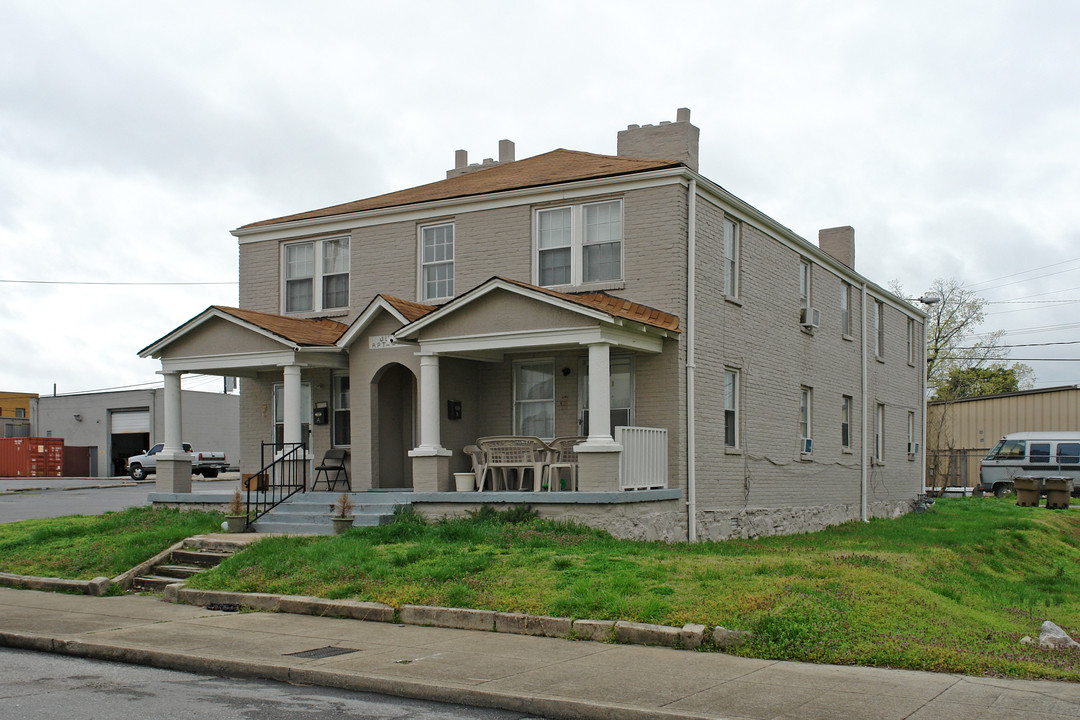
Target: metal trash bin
x,y
1058,492
1028,490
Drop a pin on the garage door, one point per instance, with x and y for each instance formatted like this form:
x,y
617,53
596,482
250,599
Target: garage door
x,y
130,421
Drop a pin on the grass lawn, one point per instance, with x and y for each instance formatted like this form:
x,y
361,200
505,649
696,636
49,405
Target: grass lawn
x,y
953,589
83,547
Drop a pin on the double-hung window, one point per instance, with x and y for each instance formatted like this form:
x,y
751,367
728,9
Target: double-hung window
x,y
316,275
804,284
731,258
279,414
912,341
845,422
621,399
845,309
579,244
911,441
534,398
731,408
342,420
437,262
879,329
879,434
806,414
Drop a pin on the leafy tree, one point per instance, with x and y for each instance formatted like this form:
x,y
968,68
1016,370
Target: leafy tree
x,y
973,382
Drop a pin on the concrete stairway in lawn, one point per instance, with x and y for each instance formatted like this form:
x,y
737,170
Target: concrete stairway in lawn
x,y
180,565
309,513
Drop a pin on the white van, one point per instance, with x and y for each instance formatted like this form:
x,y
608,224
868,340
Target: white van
x,y
1039,454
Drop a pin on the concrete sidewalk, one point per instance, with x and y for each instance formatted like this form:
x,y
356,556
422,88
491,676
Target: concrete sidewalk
x,y
540,676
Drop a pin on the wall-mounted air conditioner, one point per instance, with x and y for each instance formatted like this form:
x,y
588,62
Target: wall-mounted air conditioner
x,y
912,448
810,317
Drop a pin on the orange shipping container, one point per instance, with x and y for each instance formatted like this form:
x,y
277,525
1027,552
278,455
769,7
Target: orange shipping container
x,y
31,457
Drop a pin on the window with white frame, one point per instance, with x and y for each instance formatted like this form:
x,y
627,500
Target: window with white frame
x,y
845,309
806,415
804,283
911,433
579,244
731,258
879,329
845,422
20,412
879,434
731,408
534,398
316,275
621,370
342,420
911,341
437,262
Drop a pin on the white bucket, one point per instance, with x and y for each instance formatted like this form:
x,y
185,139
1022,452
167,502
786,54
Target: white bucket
x,y
465,482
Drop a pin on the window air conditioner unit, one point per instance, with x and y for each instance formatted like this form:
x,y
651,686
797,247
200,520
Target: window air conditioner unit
x,y
912,448
806,445
810,317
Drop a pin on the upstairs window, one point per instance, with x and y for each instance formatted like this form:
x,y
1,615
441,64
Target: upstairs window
x,y
313,285
879,329
845,309
804,284
731,258
912,341
579,244
437,262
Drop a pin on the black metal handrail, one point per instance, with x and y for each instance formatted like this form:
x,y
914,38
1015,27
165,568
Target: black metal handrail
x,y
278,480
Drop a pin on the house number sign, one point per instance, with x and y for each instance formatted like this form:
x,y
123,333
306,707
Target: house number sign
x,y
379,342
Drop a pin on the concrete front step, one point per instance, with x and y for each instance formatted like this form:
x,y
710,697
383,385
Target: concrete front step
x,y
309,513
178,571
202,558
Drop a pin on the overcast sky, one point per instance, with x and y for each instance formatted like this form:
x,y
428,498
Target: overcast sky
x,y
135,135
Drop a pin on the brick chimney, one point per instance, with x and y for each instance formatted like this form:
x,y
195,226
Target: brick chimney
x,y
667,141
462,166
840,243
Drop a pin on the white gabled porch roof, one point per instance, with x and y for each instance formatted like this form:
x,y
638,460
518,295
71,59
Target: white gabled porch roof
x,y
619,323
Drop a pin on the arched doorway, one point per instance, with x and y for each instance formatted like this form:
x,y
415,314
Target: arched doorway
x,y
393,426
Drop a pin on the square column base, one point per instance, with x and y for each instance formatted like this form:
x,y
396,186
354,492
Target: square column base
x,y
598,470
431,473
173,475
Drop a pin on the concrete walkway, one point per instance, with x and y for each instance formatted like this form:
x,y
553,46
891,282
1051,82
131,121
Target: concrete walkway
x,y
539,676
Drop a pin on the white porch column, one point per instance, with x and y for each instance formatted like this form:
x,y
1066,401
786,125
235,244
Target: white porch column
x,y
173,471
293,410
429,403
600,396
174,416
431,461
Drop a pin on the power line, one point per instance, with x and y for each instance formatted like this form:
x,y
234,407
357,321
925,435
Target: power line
x,y
1022,272
81,282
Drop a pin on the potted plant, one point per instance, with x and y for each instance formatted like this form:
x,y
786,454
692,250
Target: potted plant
x,y
236,517
343,517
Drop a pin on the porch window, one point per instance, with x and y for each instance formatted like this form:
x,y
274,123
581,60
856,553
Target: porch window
x,y
437,262
311,285
342,424
579,244
621,370
279,414
534,398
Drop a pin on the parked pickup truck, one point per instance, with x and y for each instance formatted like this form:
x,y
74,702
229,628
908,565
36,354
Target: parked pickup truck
x,y
207,464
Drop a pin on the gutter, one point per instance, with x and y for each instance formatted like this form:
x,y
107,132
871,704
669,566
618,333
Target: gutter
x,y
691,297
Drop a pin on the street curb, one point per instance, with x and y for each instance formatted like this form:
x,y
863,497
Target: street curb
x,y
97,586
532,704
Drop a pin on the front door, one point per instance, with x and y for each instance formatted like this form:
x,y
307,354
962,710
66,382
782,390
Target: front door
x,y
393,428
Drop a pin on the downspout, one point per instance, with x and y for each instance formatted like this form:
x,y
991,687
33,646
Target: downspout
x,y
922,401
865,449
691,296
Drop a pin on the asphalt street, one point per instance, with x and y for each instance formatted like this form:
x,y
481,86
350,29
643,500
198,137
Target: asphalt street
x,y
30,498
42,686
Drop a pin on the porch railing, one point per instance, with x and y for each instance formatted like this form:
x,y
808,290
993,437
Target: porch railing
x,y
643,463
279,479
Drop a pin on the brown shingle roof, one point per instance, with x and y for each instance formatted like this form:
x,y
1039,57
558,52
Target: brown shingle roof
x,y
302,331
616,306
411,310
557,166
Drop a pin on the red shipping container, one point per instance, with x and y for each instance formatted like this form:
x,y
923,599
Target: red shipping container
x,y
31,457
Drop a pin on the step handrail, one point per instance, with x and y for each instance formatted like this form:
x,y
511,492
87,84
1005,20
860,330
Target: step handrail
x,y
278,480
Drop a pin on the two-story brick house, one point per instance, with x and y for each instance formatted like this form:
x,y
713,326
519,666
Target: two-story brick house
x,y
577,294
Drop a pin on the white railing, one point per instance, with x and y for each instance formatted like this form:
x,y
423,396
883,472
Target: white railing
x,y
643,462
